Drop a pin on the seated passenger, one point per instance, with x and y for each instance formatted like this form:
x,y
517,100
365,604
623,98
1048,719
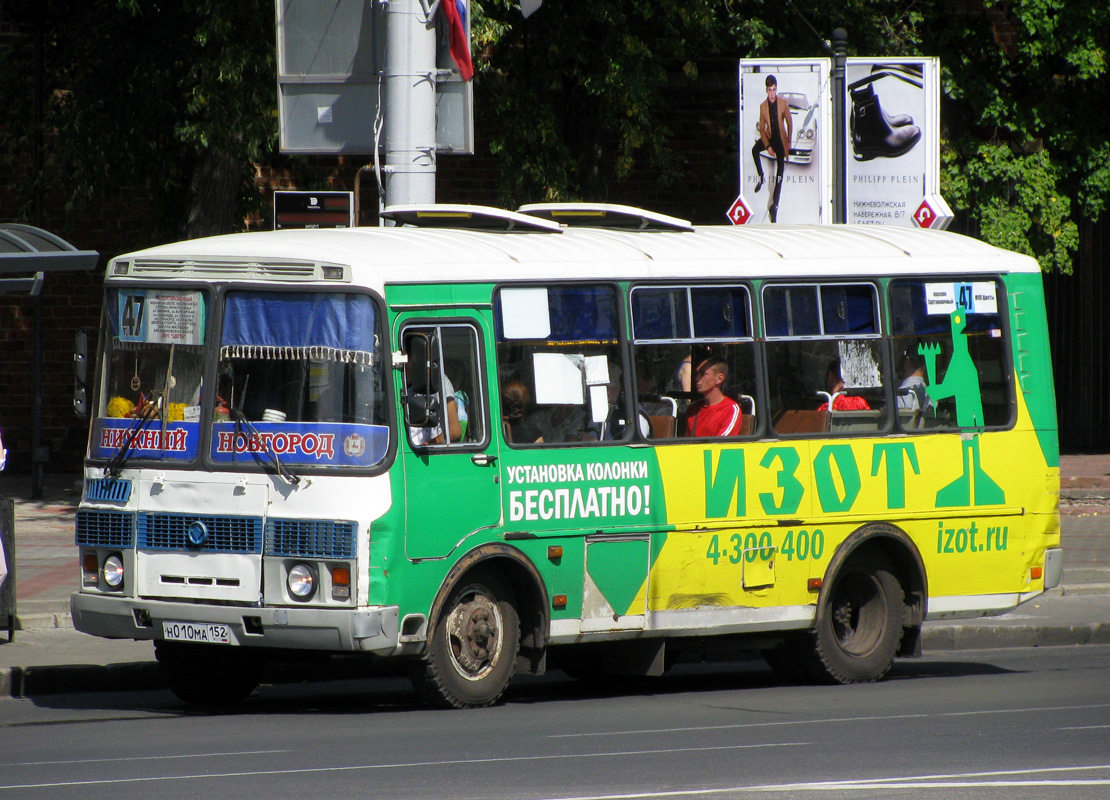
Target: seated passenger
x,y
841,402
714,414
912,393
615,424
516,402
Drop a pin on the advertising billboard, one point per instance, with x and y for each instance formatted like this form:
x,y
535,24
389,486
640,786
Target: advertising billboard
x,y
892,136
785,141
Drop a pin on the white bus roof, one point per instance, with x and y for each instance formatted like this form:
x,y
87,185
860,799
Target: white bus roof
x,y
377,256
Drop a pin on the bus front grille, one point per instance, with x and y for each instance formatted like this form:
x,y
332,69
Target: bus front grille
x,y
311,538
108,490
200,533
105,528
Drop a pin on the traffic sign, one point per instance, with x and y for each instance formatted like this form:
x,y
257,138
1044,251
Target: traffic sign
x,y
739,212
933,213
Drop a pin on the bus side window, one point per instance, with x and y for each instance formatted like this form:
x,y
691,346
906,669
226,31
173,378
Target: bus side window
x,y
952,354
676,329
562,378
444,402
826,366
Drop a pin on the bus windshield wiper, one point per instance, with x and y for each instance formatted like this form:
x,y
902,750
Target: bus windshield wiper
x,y
282,471
123,452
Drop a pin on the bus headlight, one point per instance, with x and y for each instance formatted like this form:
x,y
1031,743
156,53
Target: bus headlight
x,y
301,582
113,571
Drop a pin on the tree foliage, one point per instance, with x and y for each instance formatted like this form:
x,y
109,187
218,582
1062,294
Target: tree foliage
x,y
1025,141
178,97
171,97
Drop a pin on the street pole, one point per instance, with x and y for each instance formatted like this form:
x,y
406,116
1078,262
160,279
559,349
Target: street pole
x,y
840,144
410,104
39,452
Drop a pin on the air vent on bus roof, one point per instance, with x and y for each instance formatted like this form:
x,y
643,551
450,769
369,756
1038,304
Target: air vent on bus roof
x,y
444,215
284,270
605,215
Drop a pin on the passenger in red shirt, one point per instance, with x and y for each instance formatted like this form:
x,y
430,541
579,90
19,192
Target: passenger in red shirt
x,y
835,384
715,414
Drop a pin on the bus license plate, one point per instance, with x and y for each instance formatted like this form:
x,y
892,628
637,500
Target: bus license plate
x,y
209,632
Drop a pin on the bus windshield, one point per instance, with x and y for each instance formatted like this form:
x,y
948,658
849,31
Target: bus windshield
x,y
298,379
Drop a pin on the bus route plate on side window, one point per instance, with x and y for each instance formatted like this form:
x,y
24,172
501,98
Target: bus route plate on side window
x,y
204,632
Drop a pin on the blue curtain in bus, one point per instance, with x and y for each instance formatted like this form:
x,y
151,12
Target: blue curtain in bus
x,y
324,326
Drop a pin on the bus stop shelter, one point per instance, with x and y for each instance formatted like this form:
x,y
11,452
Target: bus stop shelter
x,y
27,255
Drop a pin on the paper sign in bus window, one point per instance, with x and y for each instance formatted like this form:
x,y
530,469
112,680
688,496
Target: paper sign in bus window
x,y
558,378
163,317
525,314
976,297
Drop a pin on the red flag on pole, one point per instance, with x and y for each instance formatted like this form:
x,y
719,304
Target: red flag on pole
x,y
455,11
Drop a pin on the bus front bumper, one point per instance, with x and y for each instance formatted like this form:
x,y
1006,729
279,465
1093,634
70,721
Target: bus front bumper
x,y
365,630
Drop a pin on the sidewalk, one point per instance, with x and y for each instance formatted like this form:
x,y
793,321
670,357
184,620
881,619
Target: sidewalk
x,y
48,656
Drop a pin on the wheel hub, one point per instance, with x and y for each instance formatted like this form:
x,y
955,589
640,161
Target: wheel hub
x,y
474,632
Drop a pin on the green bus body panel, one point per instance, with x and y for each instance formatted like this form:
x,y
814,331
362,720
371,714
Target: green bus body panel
x,y
724,524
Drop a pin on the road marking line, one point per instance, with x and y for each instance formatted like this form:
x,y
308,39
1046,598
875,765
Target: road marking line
x,y
357,767
824,721
139,758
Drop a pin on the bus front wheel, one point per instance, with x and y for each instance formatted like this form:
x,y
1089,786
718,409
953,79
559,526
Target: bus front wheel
x,y
472,653
860,624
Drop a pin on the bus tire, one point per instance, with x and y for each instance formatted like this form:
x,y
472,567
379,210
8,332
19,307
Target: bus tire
x,y
859,626
473,648
209,675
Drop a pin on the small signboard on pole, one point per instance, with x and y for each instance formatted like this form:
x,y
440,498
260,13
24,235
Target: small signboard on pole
x,y
933,213
738,212
314,210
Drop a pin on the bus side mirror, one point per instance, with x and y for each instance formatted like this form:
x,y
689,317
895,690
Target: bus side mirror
x,y
81,373
421,380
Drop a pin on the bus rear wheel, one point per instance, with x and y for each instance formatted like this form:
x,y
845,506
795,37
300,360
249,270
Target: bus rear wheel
x,y
472,653
209,675
860,623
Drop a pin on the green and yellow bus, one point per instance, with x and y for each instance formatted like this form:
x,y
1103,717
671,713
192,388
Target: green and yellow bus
x,y
590,437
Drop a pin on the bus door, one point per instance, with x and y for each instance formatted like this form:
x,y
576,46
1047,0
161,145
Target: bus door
x,y
452,474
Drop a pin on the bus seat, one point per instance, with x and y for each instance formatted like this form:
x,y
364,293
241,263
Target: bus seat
x,y
846,421
909,418
800,420
662,414
747,425
507,430
662,427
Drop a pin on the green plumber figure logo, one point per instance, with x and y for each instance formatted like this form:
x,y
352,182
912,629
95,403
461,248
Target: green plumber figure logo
x,y
961,382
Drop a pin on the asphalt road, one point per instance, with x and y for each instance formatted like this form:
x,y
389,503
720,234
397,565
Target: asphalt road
x,y
1015,723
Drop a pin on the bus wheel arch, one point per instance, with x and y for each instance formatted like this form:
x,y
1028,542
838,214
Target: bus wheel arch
x,y
870,608
488,621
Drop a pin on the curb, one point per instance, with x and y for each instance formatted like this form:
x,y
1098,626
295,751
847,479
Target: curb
x,y
1102,493
79,679
997,637
27,682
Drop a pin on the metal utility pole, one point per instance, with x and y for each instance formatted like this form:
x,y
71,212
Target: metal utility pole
x,y
840,146
40,453
410,103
